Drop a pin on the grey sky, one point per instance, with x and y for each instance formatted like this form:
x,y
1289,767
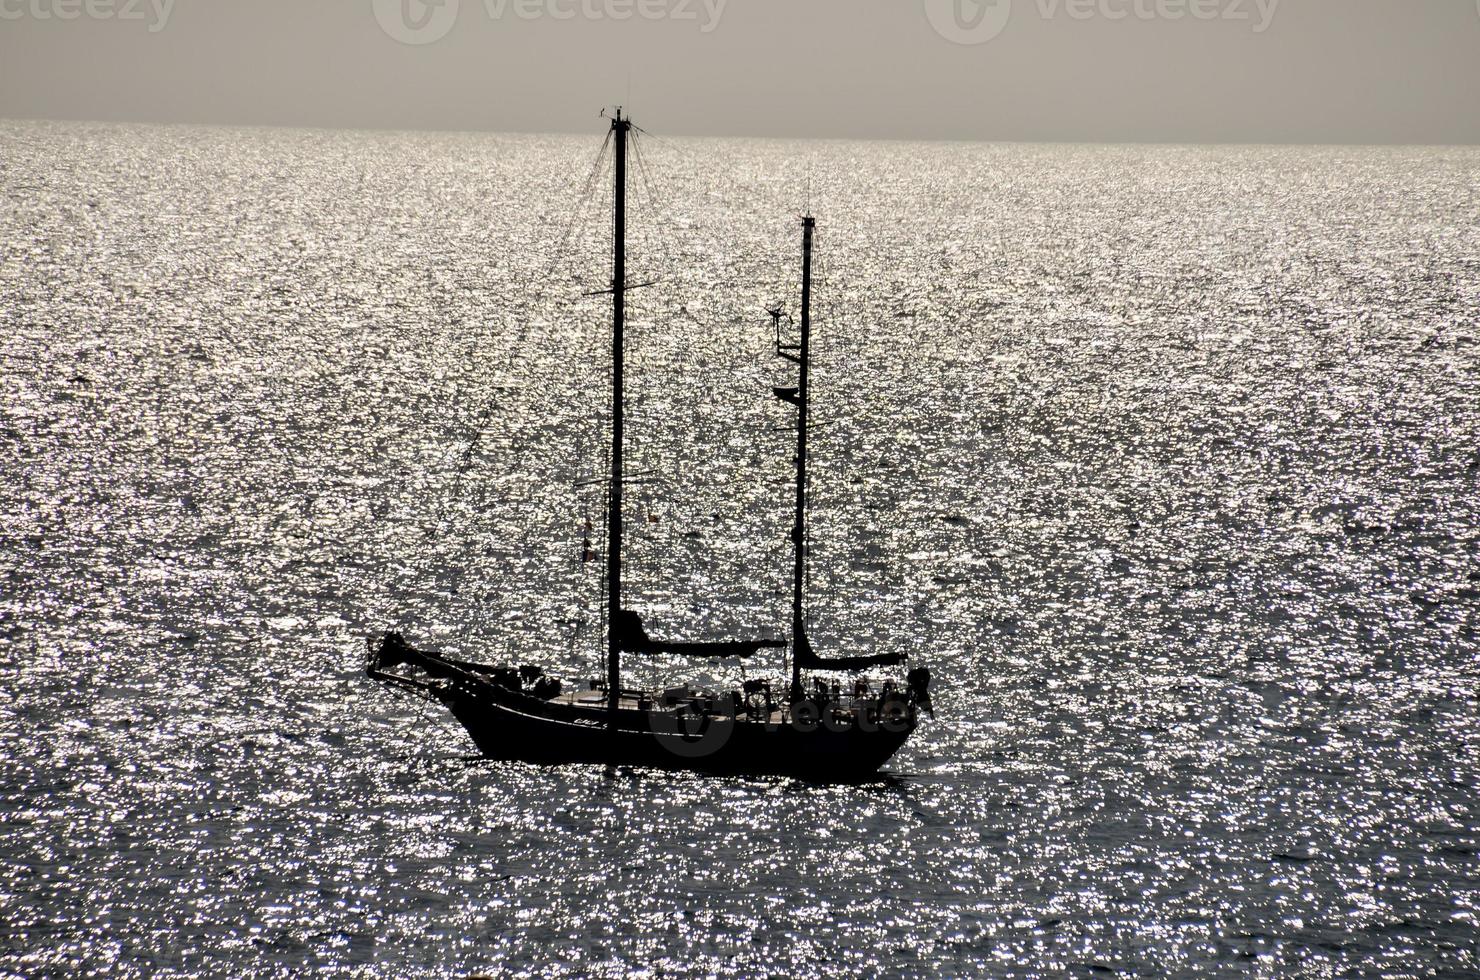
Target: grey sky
x,y
1319,71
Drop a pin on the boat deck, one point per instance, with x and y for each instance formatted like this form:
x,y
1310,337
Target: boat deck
x,y
596,700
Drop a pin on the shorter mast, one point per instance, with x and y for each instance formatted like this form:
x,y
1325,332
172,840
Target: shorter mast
x,y
802,655
799,641
800,355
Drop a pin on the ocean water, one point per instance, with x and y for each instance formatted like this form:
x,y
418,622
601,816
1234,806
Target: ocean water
x,y
1166,460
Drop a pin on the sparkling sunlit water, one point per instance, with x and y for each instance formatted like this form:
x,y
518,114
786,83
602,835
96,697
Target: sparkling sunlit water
x,y
1165,460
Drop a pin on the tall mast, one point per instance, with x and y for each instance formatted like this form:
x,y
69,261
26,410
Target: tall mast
x,y
621,128
799,531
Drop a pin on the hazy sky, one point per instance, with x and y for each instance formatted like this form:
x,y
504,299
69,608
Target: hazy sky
x,y
1181,70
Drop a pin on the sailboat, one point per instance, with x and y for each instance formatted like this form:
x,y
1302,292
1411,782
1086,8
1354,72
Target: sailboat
x,y
812,728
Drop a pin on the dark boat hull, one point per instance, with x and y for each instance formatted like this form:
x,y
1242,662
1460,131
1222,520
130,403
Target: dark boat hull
x,y
509,726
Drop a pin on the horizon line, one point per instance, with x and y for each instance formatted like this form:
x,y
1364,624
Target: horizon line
x,y
487,131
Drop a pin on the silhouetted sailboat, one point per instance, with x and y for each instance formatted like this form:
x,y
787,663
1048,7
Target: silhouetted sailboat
x,y
816,732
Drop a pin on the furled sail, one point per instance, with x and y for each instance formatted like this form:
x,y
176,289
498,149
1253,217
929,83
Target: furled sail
x,y
634,638
808,659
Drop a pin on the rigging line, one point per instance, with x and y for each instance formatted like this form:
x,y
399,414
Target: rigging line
x,y
598,167
693,157
640,312
665,142
578,209
636,156
645,172
678,148
654,205
581,210
540,294
606,544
